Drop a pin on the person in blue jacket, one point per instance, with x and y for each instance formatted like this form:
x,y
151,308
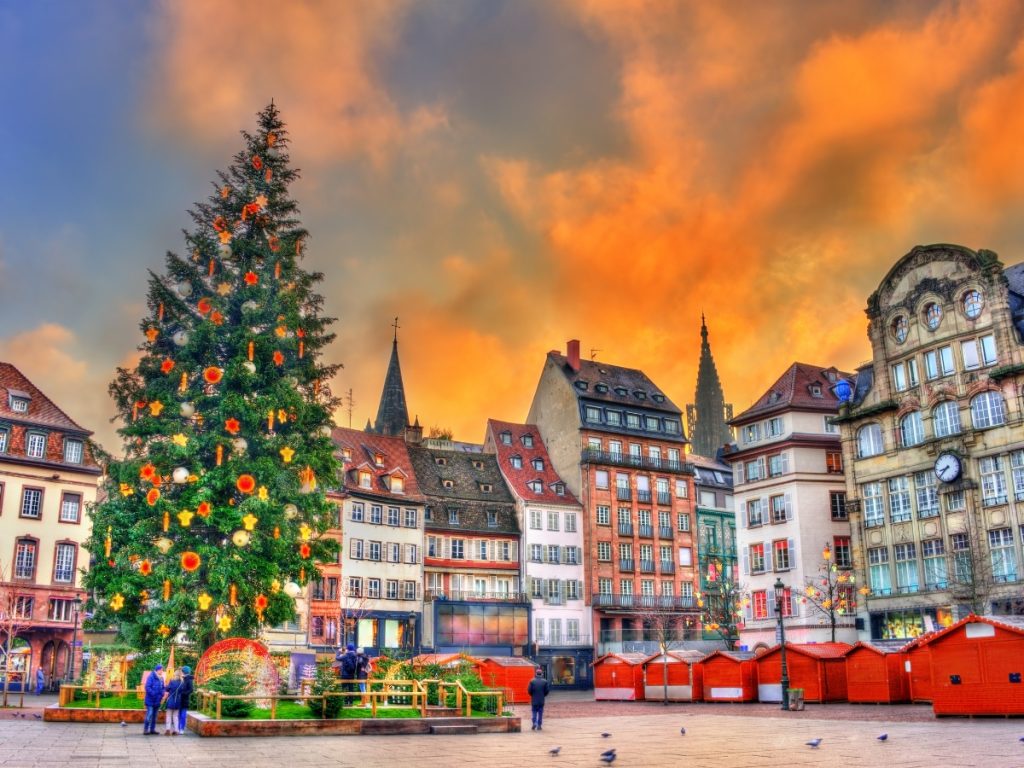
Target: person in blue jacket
x,y
40,681
185,693
154,697
172,703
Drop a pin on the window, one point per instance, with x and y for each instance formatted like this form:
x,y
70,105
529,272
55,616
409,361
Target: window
x,y
899,329
956,501
537,553
869,440
365,480
911,429
70,507
411,518
453,517
946,419
1003,554
4,435
1017,470
593,414
492,518
874,505
482,550
23,607
681,490
773,427
604,515
755,469
755,513
906,567
357,513
781,509
926,492
373,550
18,404
373,588
757,558
64,563
830,427
394,516
987,410
993,481
933,553
552,521
506,437
938,362
355,586
536,486
355,549
683,522
633,420
899,377
963,568
899,499
411,555
527,441
972,303
626,587
73,451
751,433
878,571
25,559
613,417
601,479
604,586
397,484
394,552
570,522
652,423
780,552
391,589
834,462
841,553
61,610
517,462
685,557
31,502
408,590
932,315
760,604
837,504
458,549
988,350
35,445
778,464
604,551
538,464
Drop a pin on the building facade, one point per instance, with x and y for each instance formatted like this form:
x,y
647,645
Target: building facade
x,y
473,594
933,443
550,518
717,561
618,443
790,497
48,477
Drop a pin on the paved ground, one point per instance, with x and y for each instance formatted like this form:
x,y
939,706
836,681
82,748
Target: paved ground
x,y
718,736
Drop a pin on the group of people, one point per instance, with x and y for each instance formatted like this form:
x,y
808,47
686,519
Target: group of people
x,y
172,696
353,664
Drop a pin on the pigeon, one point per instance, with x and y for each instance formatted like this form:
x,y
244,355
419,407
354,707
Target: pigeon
x,y
605,735
608,759
683,731
124,724
883,736
813,743
37,717
608,752
554,751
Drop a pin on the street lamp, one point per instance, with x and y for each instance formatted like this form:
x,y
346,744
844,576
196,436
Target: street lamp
x,y
780,590
74,641
412,633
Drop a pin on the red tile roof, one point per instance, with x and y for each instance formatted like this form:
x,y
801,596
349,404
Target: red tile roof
x,y
1013,624
816,650
629,658
517,479
363,446
792,392
41,410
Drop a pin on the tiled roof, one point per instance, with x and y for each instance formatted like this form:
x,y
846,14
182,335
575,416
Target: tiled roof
x,y
629,658
518,479
816,650
705,471
736,656
875,647
686,656
1013,624
508,661
593,372
793,392
363,446
41,410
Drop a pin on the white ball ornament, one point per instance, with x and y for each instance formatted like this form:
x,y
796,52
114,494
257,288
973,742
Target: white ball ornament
x,y
188,410
224,249
240,538
291,511
183,289
292,589
180,475
327,430
180,338
240,445
249,366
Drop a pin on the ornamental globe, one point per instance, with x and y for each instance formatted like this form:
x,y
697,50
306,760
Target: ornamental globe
x,y
292,589
180,475
188,410
180,338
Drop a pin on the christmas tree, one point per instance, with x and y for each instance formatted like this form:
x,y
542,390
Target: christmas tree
x,y
214,518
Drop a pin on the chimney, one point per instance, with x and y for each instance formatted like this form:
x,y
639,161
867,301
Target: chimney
x,y
414,433
572,351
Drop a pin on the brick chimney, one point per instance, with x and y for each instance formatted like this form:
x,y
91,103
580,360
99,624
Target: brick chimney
x,y
572,352
414,433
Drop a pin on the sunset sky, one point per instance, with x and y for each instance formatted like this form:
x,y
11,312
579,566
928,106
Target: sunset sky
x,y
504,176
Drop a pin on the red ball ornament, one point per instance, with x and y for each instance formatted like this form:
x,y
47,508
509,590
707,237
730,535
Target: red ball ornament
x,y
246,483
190,561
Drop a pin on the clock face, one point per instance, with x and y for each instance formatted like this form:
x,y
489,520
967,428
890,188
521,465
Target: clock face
x,y
947,467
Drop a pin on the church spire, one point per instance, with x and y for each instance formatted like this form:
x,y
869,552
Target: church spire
x,y
392,413
707,417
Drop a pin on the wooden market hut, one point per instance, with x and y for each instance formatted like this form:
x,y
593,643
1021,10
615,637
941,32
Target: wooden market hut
x,y
512,673
683,672
876,675
918,669
818,668
977,666
729,676
619,677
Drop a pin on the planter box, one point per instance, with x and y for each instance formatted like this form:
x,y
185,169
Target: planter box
x,y
58,714
203,725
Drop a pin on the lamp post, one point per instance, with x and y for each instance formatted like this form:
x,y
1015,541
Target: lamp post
x,y
780,590
74,641
412,634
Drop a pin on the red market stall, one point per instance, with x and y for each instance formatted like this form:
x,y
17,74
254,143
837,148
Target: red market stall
x,y
876,675
729,676
977,666
681,670
917,666
513,673
619,677
818,668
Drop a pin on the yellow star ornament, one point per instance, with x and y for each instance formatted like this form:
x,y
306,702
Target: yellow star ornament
x,y
305,532
275,586
155,407
287,454
224,623
249,521
263,493
204,602
164,630
117,602
126,490
224,289
261,201
180,440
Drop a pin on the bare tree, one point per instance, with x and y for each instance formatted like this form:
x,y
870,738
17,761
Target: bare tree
x,y
667,628
354,608
832,592
721,609
974,576
12,623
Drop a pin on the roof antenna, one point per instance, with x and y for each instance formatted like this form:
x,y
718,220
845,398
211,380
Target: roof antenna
x,y
593,353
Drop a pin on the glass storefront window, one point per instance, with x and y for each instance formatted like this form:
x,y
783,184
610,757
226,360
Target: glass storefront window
x,y
906,625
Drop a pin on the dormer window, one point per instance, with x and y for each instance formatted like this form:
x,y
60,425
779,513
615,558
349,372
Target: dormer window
x,y
365,480
658,398
486,487
621,391
448,483
346,454
602,388
516,462
639,394
453,517
581,385
477,464
441,461
73,451
35,445
538,464
559,488
815,390
397,484
19,404
528,441
506,437
378,459
492,518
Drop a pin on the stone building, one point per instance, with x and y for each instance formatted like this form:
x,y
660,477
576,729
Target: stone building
x,y
48,477
933,444
708,416
790,498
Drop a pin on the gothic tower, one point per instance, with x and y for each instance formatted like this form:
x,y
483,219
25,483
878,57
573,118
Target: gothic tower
x,y
708,416
392,413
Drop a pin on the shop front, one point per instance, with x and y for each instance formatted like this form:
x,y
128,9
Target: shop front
x,y
567,668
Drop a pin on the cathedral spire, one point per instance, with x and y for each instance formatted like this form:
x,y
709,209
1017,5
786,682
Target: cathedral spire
x,y
708,415
392,413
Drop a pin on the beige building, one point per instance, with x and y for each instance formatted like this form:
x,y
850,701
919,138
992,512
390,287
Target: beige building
x,y
933,444
48,477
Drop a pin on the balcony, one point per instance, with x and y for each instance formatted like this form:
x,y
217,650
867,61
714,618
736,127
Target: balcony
x,y
627,565
472,596
623,494
644,497
665,532
590,456
646,531
554,600
646,566
644,601
665,498
667,567
568,641
625,529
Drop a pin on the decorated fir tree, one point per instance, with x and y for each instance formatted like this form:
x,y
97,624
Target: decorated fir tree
x,y
214,517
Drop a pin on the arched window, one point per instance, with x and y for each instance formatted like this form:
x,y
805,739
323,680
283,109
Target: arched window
x,y
911,429
987,410
932,315
946,418
869,440
972,303
899,329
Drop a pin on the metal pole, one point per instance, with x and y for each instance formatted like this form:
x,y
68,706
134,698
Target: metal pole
x,y
779,595
71,656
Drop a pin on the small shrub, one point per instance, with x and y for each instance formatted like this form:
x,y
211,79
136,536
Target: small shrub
x,y
232,683
326,681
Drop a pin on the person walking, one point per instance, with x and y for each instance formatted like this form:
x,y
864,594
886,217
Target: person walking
x,y
349,663
538,690
40,681
185,696
172,703
362,673
154,697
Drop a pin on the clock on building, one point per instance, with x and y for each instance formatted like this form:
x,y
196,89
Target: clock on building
x,y
947,467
